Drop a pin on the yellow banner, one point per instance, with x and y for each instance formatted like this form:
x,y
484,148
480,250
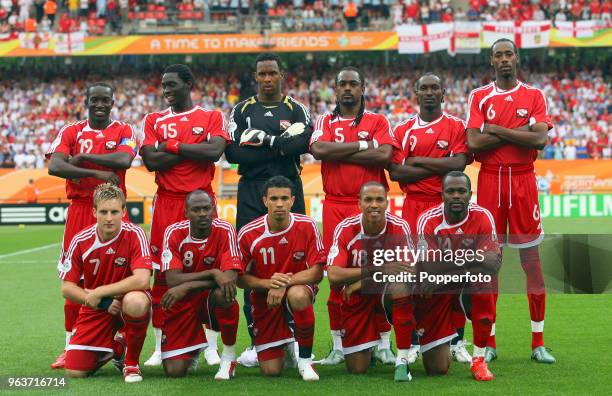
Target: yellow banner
x,y
252,43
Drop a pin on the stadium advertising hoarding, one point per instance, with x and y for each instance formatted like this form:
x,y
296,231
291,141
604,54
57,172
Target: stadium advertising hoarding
x,y
29,45
11,214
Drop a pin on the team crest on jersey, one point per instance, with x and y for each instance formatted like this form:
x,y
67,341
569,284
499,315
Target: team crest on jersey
x,y
522,113
166,256
64,266
209,260
297,256
362,135
197,130
442,144
284,124
111,145
120,261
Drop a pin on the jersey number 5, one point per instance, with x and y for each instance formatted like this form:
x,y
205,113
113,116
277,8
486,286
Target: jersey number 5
x,y
169,130
339,137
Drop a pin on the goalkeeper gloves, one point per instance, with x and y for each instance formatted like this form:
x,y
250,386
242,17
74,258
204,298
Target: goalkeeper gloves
x,y
295,129
256,138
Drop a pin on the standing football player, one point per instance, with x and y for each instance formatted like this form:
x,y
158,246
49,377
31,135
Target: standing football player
x,y
283,255
201,263
432,144
354,146
458,225
508,122
348,266
89,153
112,260
269,131
181,145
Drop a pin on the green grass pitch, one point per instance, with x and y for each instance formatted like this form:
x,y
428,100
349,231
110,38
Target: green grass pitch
x,y
578,329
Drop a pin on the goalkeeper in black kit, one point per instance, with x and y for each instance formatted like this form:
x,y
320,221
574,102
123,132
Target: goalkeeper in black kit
x,y
269,132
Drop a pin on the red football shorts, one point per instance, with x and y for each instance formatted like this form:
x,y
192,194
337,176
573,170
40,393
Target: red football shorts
x,y
434,320
93,332
413,208
271,325
511,195
182,332
359,324
334,211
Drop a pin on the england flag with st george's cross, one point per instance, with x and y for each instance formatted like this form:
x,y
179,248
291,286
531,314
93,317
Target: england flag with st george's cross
x,y
422,39
526,34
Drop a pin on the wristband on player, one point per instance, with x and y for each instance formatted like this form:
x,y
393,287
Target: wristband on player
x,y
172,146
363,145
105,302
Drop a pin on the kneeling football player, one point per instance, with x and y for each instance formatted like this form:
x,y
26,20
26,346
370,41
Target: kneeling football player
x,y
201,262
458,225
347,267
114,260
284,257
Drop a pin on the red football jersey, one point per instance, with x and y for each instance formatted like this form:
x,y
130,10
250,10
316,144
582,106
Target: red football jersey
x,y
188,254
519,106
102,263
79,138
343,179
443,137
350,241
292,250
197,125
476,231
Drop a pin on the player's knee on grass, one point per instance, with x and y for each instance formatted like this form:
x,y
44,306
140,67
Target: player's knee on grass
x,y
135,304
271,368
358,362
77,373
299,297
176,368
437,360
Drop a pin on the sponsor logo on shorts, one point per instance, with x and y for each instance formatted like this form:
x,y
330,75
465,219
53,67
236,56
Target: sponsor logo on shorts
x,y
362,135
111,145
522,113
209,260
120,261
154,249
284,124
297,256
197,130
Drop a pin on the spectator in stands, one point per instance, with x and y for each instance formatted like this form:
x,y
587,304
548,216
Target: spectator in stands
x,y
50,8
351,12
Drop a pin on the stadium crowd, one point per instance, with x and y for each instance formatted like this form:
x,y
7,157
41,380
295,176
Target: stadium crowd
x,y
32,112
97,17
